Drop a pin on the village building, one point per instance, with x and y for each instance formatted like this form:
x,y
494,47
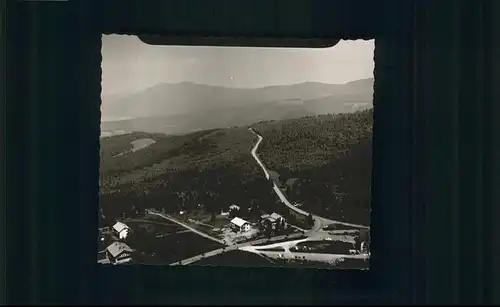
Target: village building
x,y
277,217
266,218
234,207
271,219
118,253
240,224
121,230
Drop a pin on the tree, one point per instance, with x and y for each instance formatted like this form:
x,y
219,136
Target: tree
x,y
333,149
135,239
254,212
269,231
357,242
102,214
363,236
279,225
310,220
234,212
136,211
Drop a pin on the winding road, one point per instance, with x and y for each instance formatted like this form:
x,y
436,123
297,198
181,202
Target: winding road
x,y
254,154
316,233
232,248
329,258
319,222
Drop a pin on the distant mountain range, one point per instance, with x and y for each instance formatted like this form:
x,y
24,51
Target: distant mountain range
x,y
185,107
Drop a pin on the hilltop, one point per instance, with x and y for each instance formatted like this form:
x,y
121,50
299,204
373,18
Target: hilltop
x,y
330,154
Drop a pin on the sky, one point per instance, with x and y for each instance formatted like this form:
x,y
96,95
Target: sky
x,y
129,65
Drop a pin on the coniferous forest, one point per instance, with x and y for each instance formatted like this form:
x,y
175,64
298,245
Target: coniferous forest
x,y
321,162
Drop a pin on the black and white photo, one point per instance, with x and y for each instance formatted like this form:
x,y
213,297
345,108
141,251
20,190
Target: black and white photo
x,y
235,156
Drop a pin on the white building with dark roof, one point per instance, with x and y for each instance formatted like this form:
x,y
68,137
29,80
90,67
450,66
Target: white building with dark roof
x,y
121,230
241,224
119,252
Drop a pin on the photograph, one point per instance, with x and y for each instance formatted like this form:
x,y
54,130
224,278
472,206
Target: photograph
x,y
235,156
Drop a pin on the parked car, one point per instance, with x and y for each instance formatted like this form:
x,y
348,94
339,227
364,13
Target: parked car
x,y
330,227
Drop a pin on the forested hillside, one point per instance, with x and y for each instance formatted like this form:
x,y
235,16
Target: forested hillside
x,y
331,155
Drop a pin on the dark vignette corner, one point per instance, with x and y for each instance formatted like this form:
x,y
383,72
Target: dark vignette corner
x,y
59,49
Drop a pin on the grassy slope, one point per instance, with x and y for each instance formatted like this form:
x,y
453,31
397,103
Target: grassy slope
x,y
334,151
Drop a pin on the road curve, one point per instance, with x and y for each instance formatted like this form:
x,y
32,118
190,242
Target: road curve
x,y
309,256
319,221
186,226
254,153
286,244
232,248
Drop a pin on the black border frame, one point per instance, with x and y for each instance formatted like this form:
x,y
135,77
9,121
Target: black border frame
x,y
399,130
78,74
423,190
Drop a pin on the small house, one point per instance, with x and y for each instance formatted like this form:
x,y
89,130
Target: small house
x,y
240,224
267,221
119,252
121,230
234,207
277,217
271,219
267,218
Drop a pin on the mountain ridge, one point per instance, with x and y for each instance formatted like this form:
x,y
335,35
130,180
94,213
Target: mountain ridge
x,y
187,106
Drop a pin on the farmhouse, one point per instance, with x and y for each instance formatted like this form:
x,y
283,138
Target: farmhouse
x,y
119,252
240,224
271,219
267,221
121,230
274,217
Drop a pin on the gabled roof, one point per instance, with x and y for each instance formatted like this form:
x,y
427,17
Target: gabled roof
x,y
276,216
117,248
238,222
119,227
